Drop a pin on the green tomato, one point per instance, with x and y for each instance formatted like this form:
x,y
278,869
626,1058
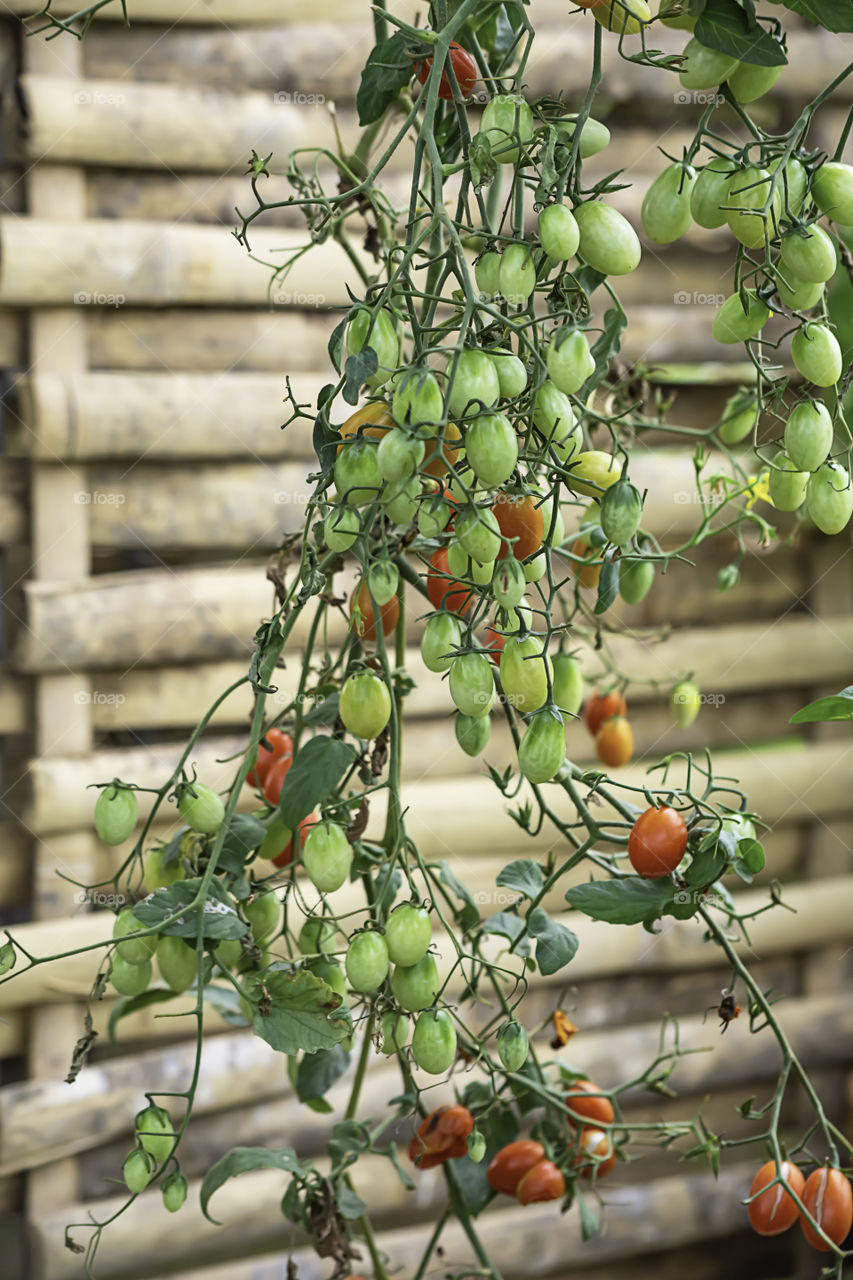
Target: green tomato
x,y
710,191
263,912
798,294
394,1031
486,274
569,359
741,827
553,415
201,808
508,124
512,375
479,534
747,193
154,1133
133,950
594,471
399,455
416,986
832,189
433,516
829,498
229,952
464,567
734,324
476,1144
795,181
787,483
365,705
704,68
375,329
327,856
508,583
686,701
595,136
543,747
408,933
628,17
317,937
357,477
665,211
524,674
116,814
810,257
808,434
567,683
513,1045
473,733
158,876
491,447
608,242
621,512
434,1042
417,401
517,274
400,499
341,527
635,579
137,1170
174,1191
177,962
442,635
558,232
383,579
739,417
129,979
472,685
474,384
749,82
817,355
366,962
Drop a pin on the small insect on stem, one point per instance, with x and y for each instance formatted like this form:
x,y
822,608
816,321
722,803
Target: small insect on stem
x,y
726,1010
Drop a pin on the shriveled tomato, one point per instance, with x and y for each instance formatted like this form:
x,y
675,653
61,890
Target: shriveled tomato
x,y
366,624
614,742
543,1182
445,591
829,1200
657,842
509,1165
596,1156
441,1136
773,1211
587,1103
464,69
522,524
600,707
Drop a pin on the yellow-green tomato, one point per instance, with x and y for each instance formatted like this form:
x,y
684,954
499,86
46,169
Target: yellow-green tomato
x,y
479,534
408,933
787,483
416,986
473,733
399,454
739,417
710,192
365,705
513,1045
558,232
627,17
154,1132
595,136
129,979
832,188
799,295
434,1042
366,962
808,435
133,950
608,242
569,359
621,511
748,192
517,274
417,401
137,1171
508,583
316,937
174,1191
375,329
817,355
567,683
635,579
685,701
733,323
749,82
472,685
508,124
593,471
357,477
341,527
442,635
491,448
394,1032
704,68
829,498
543,748
474,384
177,962
809,256
116,814
665,212
553,415
327,856
795,181
277,837
524,671
512,375
487,274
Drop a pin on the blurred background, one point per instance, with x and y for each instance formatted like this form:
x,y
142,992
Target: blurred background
x,y
145,485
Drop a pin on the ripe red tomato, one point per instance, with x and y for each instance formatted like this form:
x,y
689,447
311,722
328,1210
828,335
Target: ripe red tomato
x,y
274,780
509,1165
594,1110
445,591
464,68
600,707
657,842
596,1156
543,1182
829,1200
614,742
522,519
274,744
441,1136
285,858
389,613
774,1211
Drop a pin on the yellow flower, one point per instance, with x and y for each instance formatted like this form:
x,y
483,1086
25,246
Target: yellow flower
x,y
758,490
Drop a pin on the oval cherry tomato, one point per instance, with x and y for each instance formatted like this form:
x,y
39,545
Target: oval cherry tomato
x,y
832,188
808,434
600,707
389,613
365,704
441,1136
817,354
373,419
588,1104
608,242
524,673
829,1200
285,858
522,524
508,124
509,1165
445,591
829,497
704,68
657,842
408,933
665,212
274,778
774,1211
614,742
543,747
597,1155
475,385
366,962
558,231
543,1182
464,69
416,986
434,1042
587,574
491,448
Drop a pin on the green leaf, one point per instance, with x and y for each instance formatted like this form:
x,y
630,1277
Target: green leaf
x,y
628,901
226,1002
317,768
325,442
336,343
386,72
588,278
350,1205
324,712
320,1105
244,1160
244,835
590,1226
839,706
131,1004
317,1072
7,957
303,1014
723,25
358,369
833,15
555,944
605,347
708,864
470,913
172,849
219,918
347,1142
524,876
504,924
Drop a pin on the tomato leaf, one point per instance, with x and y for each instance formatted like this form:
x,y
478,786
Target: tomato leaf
x,y
628,901
839,706
131,1004
357,370
506,925
723,25
350,1205
833,15
244,834
245,1160
317,768
348,1139
605,347
303,1012
555,944
226,1002
324,712
524,876
590,1226
336,343
386,72
317,1072
470,913
219,919
708,864
325,442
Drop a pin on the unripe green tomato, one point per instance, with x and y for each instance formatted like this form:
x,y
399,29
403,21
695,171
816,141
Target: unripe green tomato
x,y
400,499
810,257
137,1170
543,748
508,124
399,454
416,986
330,972
476,1144
621,512
376,330
512,375
133,950
442,634
486,274
567,683
829,498
116,814
365,705
473,733
627,17
518,274
154,1133
177,962
635,579
686,701
593,471
740,827
229,952
433,515
729,576
817,355
513,1045
569,359
749,82
665,212
341,527
472,685
595,136
158,876
608,242
558,232
747,193
799,295
357,477
474,385
263,912
203,811
417,400
787,483
316,937
832,189
394,1031
383,579
327,856
808,434
704,68
174,1191
434,1042
491,448
524,674
535,567
734,324
553,415
464,568
366,962
408,933
710,192
508,583
479,534
795,181
130,979
739,417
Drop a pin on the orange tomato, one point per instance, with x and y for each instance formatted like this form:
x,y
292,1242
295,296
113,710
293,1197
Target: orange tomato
x,y
774,1211
375,417
274,781
445,591
441,454
522,519
509,1165
543,1182
588,575
366,626
585,1105
275,743
657,842
614,742
597,1155
829,1200
441,1136
600,707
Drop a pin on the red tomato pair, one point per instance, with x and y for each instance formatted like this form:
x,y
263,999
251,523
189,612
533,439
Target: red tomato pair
x,y
275,747
520,1169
